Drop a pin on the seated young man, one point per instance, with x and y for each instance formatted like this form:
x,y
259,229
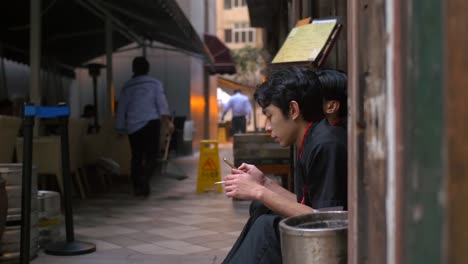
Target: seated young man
x,y
292,102
334,91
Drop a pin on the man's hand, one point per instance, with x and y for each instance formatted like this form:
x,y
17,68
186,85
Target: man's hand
x,y
170,127
168,122
242,186
253,171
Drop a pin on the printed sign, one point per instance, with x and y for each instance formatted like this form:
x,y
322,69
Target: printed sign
x,y
208,167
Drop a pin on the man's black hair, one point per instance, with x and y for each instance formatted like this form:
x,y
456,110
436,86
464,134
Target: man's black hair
x,y
140,66
334,87
293,83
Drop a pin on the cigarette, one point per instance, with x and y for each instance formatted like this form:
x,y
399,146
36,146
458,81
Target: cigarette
x,y
229,163
220,182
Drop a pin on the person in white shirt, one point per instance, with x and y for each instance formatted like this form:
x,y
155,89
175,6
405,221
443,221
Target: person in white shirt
x,y
240,105
142,106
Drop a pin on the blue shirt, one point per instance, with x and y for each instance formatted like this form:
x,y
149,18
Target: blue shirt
x,y
142,99
240,106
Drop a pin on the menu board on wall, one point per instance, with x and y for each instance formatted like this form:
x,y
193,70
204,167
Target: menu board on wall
x,y
309,43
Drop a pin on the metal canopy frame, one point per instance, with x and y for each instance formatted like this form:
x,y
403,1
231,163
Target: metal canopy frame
x,y
120,27
80,31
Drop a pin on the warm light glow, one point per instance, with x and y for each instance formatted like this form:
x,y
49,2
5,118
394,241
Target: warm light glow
x,y
197,103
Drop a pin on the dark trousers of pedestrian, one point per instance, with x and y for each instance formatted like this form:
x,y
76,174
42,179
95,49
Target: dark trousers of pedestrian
x,y
259,241
239,124
144,145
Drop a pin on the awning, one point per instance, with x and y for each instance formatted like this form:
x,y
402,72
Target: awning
x,y
73,31
231,86
221,56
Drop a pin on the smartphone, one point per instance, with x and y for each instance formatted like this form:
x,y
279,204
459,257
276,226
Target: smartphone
x,y
229,163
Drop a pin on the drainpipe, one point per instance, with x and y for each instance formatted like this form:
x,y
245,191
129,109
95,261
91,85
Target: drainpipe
x,y
206,85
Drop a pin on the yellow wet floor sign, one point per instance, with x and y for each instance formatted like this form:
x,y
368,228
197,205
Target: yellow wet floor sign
x,y
208,167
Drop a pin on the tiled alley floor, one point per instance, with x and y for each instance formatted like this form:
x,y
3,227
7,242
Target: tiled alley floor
x,y
174,225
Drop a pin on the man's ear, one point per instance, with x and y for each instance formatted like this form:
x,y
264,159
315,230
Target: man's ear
x,y
332,107
294,109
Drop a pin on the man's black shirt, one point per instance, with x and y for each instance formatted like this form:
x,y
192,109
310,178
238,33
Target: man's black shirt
x,y
321,174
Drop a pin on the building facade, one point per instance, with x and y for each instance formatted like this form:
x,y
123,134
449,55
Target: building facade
x,y
233,25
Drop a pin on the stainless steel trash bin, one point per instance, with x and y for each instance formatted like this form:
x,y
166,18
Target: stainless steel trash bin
x,y
315,238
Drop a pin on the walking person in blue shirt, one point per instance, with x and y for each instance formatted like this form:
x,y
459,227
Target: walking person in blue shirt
x,y
142,106
240,106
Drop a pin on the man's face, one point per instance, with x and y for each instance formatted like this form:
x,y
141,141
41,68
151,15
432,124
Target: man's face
x,y
281,129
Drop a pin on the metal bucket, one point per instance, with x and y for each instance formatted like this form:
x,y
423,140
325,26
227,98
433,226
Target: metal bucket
x,y
50,217
315,238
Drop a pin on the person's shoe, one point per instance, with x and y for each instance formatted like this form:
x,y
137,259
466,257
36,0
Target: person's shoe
x,y
178,177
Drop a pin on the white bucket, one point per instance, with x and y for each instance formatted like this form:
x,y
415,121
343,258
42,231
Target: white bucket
x,y
188,130
50,217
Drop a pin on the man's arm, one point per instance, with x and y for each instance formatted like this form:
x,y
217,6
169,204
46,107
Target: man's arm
x,y
260,178
278,204
226,109
244,186
163,107
170,126
275,187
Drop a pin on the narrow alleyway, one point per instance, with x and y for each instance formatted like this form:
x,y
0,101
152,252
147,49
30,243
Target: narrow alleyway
x,y
174,225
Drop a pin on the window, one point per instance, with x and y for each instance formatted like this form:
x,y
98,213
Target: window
x,y
241,32
228,35
227,4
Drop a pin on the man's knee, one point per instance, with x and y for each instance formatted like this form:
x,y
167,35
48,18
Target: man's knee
x,y
267,224
257,208
263,241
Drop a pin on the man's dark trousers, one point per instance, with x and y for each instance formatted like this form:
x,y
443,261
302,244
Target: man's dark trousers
x,y
239,124
259,241
144,145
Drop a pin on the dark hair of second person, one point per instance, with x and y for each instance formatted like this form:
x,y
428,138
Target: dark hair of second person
x,y
334,87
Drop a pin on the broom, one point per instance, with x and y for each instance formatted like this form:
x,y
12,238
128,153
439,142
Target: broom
x,y
175,172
